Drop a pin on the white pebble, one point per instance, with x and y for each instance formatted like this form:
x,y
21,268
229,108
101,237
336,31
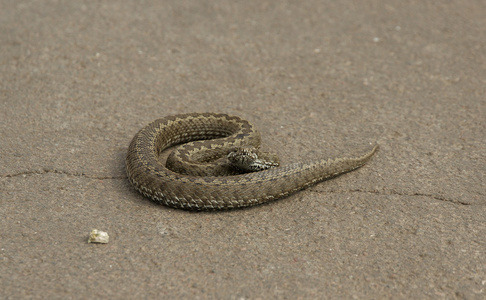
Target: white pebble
x,y
97,236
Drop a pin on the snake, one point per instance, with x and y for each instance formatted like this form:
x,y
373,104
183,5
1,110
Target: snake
x,y
216,164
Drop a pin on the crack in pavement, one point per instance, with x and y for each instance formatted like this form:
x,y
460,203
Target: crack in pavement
x,y
398,193
57,171
376,192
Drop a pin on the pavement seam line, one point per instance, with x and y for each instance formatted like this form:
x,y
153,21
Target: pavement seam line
x,y
394,192
389,192
56,171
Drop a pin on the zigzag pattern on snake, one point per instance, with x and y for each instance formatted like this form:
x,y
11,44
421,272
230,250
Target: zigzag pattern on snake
x,y
219,134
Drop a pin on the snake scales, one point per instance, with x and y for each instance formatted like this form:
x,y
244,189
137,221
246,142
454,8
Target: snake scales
x,y
199,188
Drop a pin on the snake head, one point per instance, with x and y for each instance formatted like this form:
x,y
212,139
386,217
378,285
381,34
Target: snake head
x,y
250,159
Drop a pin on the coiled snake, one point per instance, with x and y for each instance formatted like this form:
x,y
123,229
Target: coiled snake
x,y
191,178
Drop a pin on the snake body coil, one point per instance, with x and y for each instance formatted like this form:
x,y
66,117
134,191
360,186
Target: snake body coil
x,y
157,182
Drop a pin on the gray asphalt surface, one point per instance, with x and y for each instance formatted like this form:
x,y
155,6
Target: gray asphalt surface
x,y
319,78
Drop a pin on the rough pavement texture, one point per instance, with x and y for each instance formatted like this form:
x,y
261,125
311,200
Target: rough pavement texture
x,y
319,78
